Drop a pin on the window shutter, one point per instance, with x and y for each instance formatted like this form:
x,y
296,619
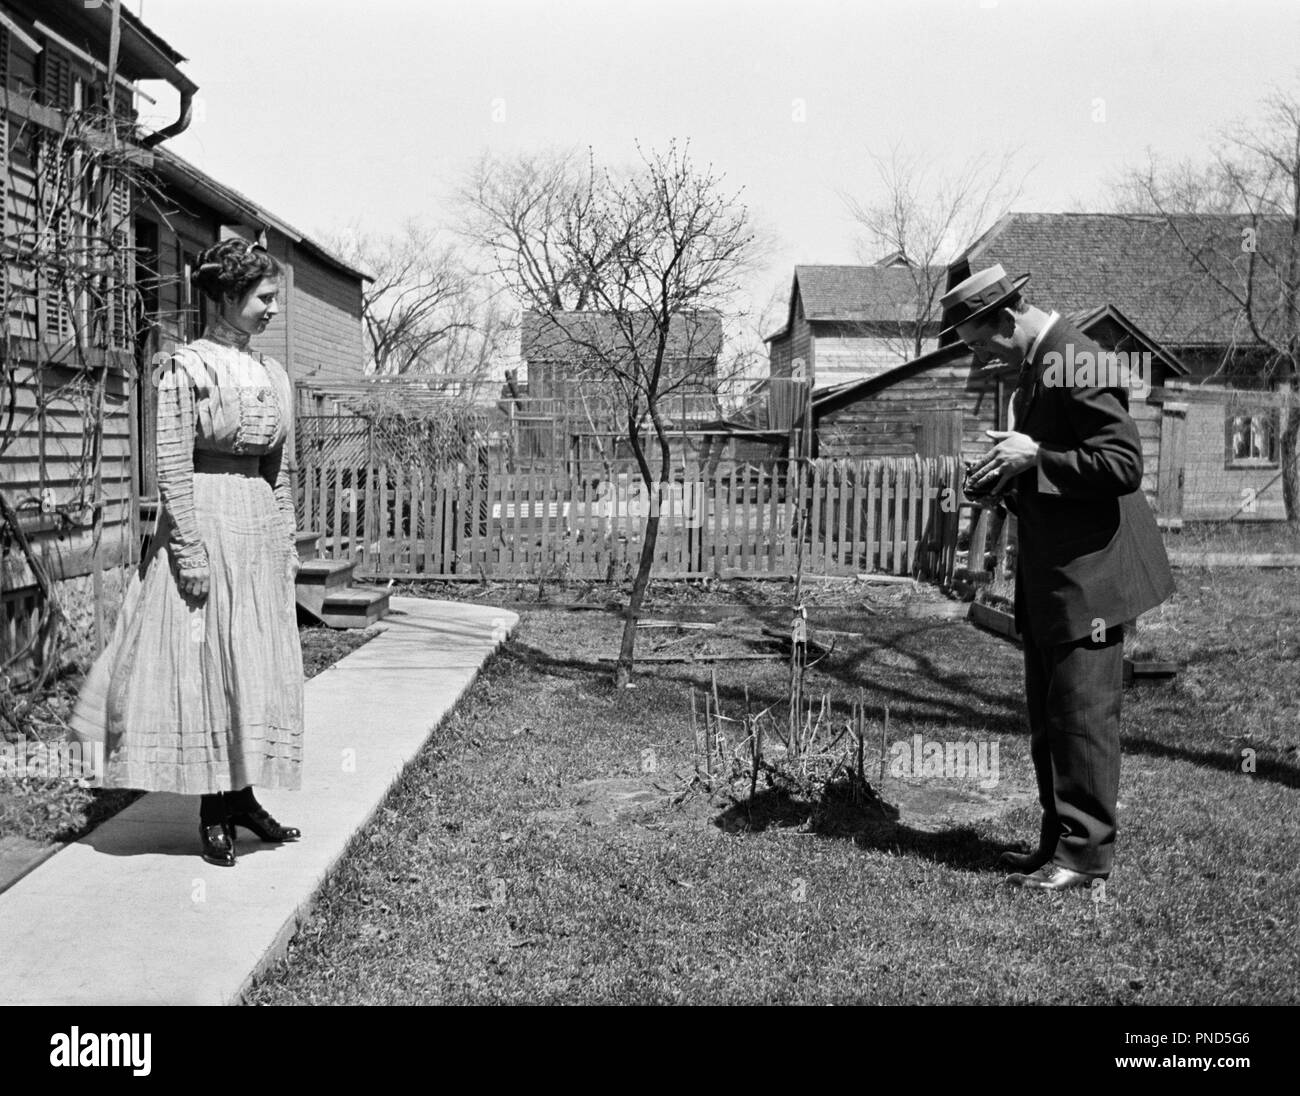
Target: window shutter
x,y
4,174
56,78
119,296
54,315
4,215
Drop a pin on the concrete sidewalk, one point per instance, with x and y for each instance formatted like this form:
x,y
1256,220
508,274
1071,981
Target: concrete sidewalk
x,y
130,914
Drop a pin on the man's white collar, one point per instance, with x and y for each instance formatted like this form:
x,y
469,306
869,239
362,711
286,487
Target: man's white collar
x,y
1033,349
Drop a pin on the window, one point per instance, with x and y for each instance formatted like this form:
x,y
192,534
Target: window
x,y
1252,440
194,304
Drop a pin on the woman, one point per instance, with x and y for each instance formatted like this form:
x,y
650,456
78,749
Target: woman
x,y
200,689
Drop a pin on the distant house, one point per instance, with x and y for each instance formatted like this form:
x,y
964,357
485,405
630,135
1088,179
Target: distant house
x,y
1162,273
847,324
569,407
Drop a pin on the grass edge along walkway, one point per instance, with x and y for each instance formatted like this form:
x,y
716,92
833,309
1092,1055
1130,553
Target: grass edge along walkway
x,y
130,914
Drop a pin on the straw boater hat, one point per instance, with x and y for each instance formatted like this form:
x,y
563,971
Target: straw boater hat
x,y
978,295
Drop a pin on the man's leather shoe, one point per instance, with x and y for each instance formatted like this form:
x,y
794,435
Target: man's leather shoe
x,y
1024,862
218,844
1052,877
266,827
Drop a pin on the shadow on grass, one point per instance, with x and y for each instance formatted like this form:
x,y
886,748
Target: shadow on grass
x,y
534,658
1275,772
951,699
872,825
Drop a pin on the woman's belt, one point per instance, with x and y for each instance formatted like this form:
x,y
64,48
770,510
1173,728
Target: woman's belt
x,y
226,464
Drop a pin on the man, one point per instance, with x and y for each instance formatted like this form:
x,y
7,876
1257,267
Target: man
x,y
1090,558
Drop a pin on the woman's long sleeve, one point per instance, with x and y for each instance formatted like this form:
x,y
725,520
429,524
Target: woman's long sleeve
x,y
276,471
277,465
175,452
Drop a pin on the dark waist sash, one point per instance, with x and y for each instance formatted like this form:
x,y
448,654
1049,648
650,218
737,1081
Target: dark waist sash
x,y
226,464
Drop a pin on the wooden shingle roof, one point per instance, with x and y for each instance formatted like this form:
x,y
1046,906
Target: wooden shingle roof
x,y
884,294
1147,265
856,294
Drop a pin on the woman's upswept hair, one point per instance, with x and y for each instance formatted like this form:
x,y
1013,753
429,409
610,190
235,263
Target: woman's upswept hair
x,y
232,267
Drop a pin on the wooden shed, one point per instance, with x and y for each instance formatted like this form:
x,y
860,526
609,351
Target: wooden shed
x,y
942,403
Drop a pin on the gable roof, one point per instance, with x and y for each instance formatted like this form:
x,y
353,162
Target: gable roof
x,y
1141,262
226,199
884,294
1090,318
569,336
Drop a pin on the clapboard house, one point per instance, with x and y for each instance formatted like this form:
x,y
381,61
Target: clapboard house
x,y
101,226
1224,416
846,324
572,408
72,153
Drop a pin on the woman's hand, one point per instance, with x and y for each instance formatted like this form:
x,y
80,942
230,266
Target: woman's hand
x,y
193,582
294,566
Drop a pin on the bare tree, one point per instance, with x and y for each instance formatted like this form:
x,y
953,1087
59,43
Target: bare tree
x,y
660,255
530,215
920,218
1237,220
423,313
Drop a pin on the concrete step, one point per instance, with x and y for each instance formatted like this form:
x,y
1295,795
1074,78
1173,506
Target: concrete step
x,y
308,544
318,579
326,572
354,607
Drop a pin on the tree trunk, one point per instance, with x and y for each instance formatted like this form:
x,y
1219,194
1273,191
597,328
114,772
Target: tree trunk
x,y
623,668
1288,446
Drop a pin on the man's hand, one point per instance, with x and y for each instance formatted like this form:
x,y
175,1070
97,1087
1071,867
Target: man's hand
x,y
1013,453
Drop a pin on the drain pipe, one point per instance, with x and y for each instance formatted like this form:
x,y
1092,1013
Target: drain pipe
x,y
181,124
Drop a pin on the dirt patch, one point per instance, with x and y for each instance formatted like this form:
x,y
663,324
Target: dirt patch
x,y
653,803
611,801
933,805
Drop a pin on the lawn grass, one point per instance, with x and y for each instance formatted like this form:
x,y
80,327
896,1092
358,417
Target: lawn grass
x,y
1241,537
528,856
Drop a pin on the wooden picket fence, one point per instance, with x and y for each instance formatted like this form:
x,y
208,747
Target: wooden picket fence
x,y
892,516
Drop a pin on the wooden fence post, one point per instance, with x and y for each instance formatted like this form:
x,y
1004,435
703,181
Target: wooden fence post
x,y
1169,489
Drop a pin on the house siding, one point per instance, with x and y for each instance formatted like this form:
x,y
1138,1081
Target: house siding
x,y
842,358
45,470
1212,491
887,423
325,310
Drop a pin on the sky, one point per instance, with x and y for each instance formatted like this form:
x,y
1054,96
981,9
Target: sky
x,y
332,114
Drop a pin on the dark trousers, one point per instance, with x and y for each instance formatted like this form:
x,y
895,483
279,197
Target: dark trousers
x,y
1074,691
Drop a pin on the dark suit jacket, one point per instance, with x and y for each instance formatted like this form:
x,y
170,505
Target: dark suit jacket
x,y
1089,545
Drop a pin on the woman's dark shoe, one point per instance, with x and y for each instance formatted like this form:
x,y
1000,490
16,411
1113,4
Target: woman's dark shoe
x,y
266,827
218,844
